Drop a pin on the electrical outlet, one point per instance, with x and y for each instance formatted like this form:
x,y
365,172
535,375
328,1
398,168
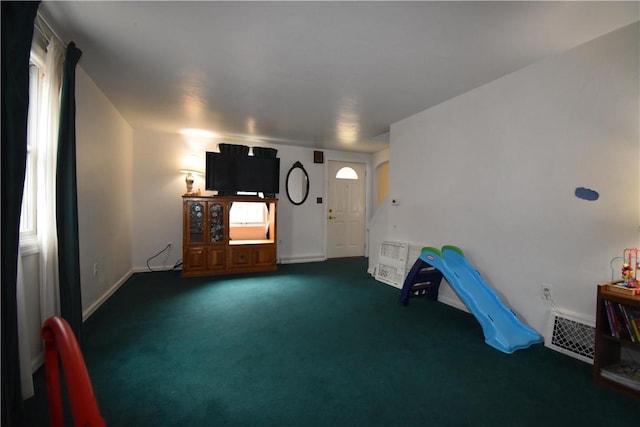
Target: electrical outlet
x,y
169,245
546,292
95,269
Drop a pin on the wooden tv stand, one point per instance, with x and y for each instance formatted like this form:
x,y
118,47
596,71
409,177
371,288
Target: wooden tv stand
x,y
207,244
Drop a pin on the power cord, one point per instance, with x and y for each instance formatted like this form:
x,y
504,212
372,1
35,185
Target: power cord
x,y
166,248
547,296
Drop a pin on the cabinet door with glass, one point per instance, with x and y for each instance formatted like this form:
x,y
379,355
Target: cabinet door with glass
x,y
217,235
217,227
205,234
196,222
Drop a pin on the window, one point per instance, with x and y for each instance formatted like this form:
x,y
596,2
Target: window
x,y
248,213
347,173
28,227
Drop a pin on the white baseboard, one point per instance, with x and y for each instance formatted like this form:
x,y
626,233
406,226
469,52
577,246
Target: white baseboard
x,y
93,307
301,259
154,268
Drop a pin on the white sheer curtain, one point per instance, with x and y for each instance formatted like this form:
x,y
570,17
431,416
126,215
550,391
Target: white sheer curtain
x,y
46,151
47,148
26,377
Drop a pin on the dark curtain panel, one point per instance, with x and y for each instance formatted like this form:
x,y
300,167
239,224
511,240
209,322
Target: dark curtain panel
x,y
67,198
17,32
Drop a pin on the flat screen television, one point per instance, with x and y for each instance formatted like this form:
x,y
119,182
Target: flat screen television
x,y
230,173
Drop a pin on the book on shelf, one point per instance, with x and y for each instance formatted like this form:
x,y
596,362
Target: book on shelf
x,y
634,320
627,322
623,332
623,320
623,372
611,318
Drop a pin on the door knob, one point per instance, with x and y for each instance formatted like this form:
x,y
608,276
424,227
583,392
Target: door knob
x,y
331,217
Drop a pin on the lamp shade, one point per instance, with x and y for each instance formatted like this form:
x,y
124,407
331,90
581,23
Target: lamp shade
x,y
192,164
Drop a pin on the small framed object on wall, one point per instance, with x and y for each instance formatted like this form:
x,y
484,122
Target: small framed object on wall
x,y
318,157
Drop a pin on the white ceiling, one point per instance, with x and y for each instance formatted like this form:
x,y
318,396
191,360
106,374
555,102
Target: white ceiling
x,y
328,75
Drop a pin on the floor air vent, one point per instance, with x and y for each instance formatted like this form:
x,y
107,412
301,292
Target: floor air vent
x,y
570,335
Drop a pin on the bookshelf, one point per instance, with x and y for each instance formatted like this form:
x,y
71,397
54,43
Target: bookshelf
x,y
616,361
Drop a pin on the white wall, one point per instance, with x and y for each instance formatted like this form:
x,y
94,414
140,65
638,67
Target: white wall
x,y
158,186
494,170
377,231
104,164
157,189
302,229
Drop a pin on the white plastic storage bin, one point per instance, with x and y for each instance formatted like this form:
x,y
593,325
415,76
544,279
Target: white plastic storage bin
x,y
395,261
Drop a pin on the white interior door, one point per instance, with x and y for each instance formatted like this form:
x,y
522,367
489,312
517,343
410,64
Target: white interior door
x,y
345,209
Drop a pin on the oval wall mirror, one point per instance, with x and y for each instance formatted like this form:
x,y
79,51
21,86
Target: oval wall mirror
x,y
297,184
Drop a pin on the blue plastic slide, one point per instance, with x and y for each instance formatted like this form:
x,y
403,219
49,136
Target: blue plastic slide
x,y
502,328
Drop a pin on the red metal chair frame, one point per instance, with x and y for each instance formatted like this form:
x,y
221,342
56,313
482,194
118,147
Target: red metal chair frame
x,y
59,340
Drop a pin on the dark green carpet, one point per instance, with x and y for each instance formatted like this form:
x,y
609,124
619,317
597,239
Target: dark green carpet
x,y
317,344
